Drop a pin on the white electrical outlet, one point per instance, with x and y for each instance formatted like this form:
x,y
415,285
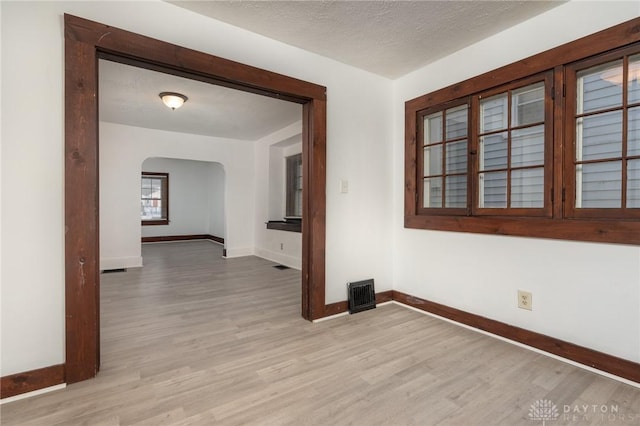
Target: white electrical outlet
x,y
525,300
281,246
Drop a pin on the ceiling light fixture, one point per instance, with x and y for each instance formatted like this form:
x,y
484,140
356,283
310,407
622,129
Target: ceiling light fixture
x,y
173,100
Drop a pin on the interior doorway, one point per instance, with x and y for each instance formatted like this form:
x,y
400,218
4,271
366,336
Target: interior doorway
x,y
85,43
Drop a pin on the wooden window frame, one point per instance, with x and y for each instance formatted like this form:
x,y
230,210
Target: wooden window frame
x,y
291,180
558,225
164,197
474,168
622,213
453,211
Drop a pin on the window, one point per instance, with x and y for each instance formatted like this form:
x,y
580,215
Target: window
x,y
545,147
294,186
604,171
513,170
154,200
444,159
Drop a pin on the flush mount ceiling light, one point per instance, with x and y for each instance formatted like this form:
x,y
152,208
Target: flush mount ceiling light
x,y
173,100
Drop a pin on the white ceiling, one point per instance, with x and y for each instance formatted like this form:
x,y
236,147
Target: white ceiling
x,y
129,95
390,38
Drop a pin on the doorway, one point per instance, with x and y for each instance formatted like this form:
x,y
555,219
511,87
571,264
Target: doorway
x,y
85,43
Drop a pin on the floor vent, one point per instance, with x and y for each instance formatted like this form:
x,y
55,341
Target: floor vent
x,y
362,296
111,271
281,267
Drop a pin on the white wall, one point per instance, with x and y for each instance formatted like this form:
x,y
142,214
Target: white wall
x,y
583,293
279,246
358,149
216,200
193,196
122,152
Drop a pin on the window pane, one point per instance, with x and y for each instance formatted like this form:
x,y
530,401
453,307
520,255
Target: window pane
x,y
493,151
633,132
146,192
527,146
493,190
457,122
433,160
493,113
527,105
599,136
456,159
600,87
599,185
456,191
527,188
433,128
634,79
433,192
633,183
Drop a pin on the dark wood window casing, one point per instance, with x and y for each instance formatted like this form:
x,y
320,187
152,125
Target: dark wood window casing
x,y
294,186
552,189
614,153
162,199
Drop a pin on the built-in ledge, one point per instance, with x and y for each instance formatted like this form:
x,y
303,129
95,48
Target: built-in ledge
x,y
288,224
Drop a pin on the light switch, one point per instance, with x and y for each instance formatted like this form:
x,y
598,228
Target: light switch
x,y
344,186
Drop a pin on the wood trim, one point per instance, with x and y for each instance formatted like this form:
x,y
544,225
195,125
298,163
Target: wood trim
x,y
29,381
87,41
560,224
343,306
314,199
183,238
617,36
601,361
81,212
164,198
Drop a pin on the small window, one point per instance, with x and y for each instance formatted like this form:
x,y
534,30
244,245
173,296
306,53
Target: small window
x,y
154,200
294,186
443,160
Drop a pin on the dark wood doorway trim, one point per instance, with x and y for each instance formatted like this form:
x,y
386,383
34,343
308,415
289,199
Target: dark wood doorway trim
x,y
85,42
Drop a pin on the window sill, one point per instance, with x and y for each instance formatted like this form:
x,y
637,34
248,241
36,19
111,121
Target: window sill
x,y
290,225
155,222
601,231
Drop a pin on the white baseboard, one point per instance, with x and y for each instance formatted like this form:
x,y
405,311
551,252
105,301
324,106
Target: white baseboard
x,y
32,393
120,262
283,259
239,252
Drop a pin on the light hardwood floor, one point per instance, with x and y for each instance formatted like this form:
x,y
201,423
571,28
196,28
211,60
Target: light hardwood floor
x,y
194,339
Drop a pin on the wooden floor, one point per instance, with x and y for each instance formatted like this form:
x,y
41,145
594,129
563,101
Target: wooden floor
x,y
194,339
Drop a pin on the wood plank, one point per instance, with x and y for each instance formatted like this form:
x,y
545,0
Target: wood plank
x,y
192,338
601,361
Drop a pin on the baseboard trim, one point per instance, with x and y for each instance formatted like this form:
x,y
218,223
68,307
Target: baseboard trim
x,y
182,238
29,381
600,361
340,307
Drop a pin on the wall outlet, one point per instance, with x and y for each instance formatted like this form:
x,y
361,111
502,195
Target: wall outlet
x,y
525,300
281,246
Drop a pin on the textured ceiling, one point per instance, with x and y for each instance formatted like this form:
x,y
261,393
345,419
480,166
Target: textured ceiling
x,y
129,95
389,38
